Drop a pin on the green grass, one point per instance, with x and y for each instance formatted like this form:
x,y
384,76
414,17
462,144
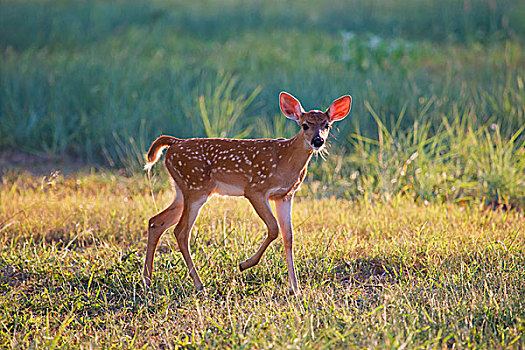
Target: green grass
x,y
372,275
459,162
97,71
102,79
409,235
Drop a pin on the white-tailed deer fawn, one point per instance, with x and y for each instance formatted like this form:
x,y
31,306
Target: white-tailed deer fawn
x,y
260,170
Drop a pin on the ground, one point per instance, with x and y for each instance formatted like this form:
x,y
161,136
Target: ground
x,y
373,274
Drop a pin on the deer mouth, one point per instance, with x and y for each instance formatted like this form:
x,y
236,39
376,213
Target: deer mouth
x,y
317,149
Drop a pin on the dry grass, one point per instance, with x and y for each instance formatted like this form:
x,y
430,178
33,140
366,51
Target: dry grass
x,y
379,275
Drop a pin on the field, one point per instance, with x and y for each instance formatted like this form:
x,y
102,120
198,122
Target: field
x,y
382,275
408,235
97,81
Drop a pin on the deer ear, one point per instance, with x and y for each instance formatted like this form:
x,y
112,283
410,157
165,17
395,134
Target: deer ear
x,y
290,106
340,108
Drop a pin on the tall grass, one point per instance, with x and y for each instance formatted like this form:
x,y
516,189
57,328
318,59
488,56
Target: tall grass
x,y
457,161
103,79
221,107
111,67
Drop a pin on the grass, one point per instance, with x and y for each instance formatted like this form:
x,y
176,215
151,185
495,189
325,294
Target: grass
x,y
101,70
102,79
373,275
458,162
409,235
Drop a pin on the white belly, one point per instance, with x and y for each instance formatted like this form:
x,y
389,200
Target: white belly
x,y
226,189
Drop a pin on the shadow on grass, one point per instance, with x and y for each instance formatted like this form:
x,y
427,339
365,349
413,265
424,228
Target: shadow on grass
x,y
117,286
92,290
365,271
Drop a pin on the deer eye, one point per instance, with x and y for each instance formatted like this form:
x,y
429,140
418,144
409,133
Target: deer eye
x,y
305,127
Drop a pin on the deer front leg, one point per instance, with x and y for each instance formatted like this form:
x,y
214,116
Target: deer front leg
x,y
283,209
157,225
262,207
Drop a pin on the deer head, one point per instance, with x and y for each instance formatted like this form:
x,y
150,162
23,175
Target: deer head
x,y
315,124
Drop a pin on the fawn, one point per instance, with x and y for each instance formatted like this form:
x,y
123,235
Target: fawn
x,y
260,170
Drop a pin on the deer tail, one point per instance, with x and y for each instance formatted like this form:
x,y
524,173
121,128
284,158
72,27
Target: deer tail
x,y
156,149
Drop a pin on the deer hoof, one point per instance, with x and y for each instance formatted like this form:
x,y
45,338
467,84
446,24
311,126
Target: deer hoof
x,y
294,292
146,282
201,291
242,266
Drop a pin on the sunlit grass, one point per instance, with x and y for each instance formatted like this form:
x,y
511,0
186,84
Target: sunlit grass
x,y
409,235
372,275
456,160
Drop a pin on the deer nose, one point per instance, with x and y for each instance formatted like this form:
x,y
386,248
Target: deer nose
x,y
317,141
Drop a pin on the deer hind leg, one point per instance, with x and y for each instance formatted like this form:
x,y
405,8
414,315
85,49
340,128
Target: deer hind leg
x,y
283,210
157,225
262,207
182,232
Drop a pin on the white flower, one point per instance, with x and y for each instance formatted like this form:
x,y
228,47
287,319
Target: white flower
x,y
374,42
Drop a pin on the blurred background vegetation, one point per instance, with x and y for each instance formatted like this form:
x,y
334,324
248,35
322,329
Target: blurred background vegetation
x,y
438,86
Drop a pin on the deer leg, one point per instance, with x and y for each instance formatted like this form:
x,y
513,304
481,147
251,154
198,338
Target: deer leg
x,y
283,208
182,233
262,207
157,225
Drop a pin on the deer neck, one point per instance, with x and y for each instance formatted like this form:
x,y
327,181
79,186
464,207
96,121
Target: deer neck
x,y
298,153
